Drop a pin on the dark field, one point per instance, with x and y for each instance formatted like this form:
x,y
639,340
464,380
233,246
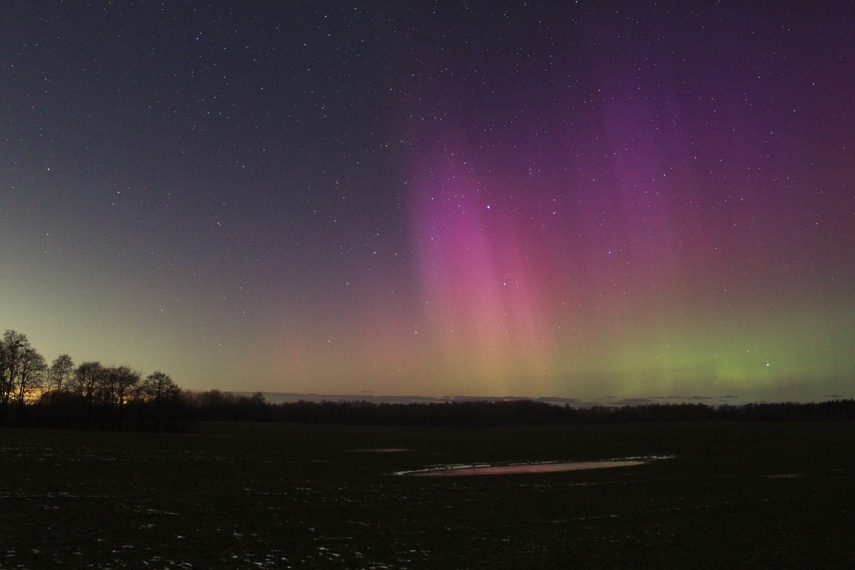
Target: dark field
x,y
306,496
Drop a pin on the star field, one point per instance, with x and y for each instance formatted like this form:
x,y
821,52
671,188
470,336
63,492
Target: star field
x,y
480,198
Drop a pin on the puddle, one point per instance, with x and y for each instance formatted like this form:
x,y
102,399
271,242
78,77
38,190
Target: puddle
x,y
517,468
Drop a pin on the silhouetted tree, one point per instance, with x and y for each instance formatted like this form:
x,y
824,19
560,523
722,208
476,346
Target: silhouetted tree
x,y
31,375
124,382
161,399
12,346
115,386
87,379
61,372
158,387
22,373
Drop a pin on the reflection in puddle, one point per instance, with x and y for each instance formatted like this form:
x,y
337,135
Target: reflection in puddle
x,y
464,470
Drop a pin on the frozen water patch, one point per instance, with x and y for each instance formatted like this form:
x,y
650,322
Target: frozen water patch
x,y
462,470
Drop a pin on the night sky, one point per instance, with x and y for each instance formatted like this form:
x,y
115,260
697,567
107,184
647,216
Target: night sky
x,y
574,199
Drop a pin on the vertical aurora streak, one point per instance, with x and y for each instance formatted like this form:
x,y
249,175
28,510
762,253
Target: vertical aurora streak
x,y
644,233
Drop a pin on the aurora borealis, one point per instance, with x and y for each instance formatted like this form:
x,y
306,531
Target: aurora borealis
x,y
629,199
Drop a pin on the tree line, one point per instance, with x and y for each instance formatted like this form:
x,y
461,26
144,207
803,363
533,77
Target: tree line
x,y
222,406
93,396
89,395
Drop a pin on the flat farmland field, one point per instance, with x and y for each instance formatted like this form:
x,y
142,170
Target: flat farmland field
x,y
254,495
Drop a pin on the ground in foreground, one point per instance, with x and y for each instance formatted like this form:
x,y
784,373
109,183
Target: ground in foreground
x,y
306,496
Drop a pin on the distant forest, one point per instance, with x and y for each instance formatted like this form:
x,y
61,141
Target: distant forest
x,y
215,405
93,396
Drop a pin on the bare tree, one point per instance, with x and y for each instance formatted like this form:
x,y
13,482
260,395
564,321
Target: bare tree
x,y
87,376
86,381
123,382
162,395
61,373
12,347
159,387
5,375
31,375
22,371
